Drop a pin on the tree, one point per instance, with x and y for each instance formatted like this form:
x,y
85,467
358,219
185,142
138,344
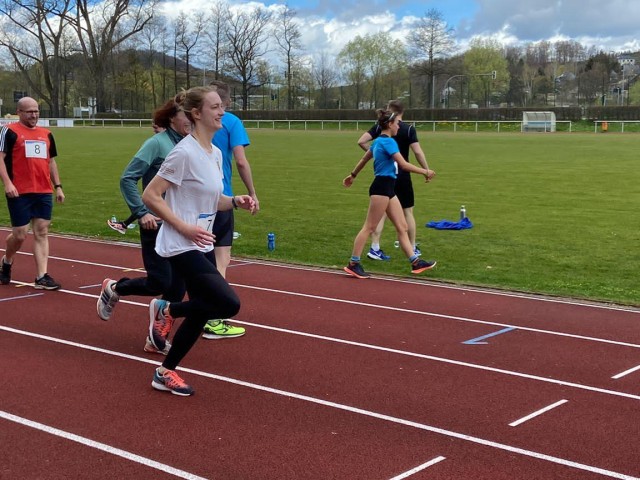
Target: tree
x,y
188,29
634,94
598,69
287,35
34,35
432,41
482,58
153,32
215,33
382,56
325,76
246,32
100,28
351,60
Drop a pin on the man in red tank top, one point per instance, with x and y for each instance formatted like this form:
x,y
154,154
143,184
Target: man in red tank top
x,y
30,176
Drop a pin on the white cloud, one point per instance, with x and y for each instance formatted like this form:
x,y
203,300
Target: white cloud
x,y
328,25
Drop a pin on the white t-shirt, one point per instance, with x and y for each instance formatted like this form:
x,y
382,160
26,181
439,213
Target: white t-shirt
x,y
196,185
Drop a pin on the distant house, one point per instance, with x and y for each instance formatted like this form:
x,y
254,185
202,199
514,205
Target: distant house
x,y
626,59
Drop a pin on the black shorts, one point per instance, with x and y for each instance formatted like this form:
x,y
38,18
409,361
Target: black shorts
x,y
404,190
223,227
28,206
383,186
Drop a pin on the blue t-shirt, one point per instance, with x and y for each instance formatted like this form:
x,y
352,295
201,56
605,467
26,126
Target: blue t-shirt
x,y
383,149
226,139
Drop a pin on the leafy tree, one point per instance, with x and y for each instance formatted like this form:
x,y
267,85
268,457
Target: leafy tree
x,y
352,61
383,55
368,60
483,58
634,94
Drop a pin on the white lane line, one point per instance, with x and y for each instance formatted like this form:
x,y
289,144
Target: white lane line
x,y
626,372
449,361
487,291
440,315
100,446
419,468
347,408
402,310
462,288
536,413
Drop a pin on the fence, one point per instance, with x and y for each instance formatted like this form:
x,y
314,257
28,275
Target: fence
x,y
616,126
426,125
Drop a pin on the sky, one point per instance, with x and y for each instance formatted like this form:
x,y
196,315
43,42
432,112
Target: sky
x,y
328,25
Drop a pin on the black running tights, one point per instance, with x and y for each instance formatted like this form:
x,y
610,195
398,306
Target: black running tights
x,y
210,297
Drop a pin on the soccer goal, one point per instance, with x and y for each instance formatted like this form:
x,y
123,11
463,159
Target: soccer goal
x,y
538,122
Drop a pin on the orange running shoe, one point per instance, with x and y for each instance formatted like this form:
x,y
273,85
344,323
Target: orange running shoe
x,y
170,381
159,323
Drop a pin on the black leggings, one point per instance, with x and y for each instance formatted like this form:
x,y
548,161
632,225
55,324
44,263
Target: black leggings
x,y
159,279
210,297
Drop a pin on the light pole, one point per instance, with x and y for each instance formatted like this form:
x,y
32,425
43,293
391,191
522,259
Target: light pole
x,y
492,74
446,89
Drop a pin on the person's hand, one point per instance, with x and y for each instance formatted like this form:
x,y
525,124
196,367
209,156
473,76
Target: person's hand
x,y
348,181
148,222
255,199
10,190
246,202
60,195
198,235
429,175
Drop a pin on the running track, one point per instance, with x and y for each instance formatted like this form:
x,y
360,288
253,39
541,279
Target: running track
x,y
337,378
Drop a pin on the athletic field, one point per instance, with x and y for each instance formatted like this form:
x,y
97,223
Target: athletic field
x,y
552,213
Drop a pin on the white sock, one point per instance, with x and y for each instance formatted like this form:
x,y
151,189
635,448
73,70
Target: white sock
x,y
375,246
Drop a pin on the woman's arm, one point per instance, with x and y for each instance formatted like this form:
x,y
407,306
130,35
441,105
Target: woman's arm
x,y
348,181
153,198
408,167
246,202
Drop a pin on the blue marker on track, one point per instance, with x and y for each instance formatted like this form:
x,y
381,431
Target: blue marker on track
x,y
478,340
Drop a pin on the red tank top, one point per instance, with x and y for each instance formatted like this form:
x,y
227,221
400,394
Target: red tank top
x,y
29,158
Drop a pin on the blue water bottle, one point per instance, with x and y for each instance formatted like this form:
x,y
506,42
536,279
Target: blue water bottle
x,y
271,241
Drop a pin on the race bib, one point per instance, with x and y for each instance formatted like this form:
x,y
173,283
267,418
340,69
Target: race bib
x,y
205,221
35,149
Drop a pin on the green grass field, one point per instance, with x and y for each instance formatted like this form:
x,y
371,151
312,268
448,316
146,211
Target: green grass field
x,y
552,213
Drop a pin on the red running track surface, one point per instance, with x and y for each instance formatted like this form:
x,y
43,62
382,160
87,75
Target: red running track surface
x,y
336,378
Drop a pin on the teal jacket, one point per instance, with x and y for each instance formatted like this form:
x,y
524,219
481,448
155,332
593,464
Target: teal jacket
x,y
144,165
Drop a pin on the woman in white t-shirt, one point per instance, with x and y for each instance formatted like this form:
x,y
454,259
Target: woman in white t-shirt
x,y
186,193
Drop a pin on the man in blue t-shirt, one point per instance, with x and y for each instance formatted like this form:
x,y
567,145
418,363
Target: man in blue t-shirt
x,y
231,139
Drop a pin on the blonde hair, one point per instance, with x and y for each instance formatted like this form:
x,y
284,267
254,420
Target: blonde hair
x,y
193,98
